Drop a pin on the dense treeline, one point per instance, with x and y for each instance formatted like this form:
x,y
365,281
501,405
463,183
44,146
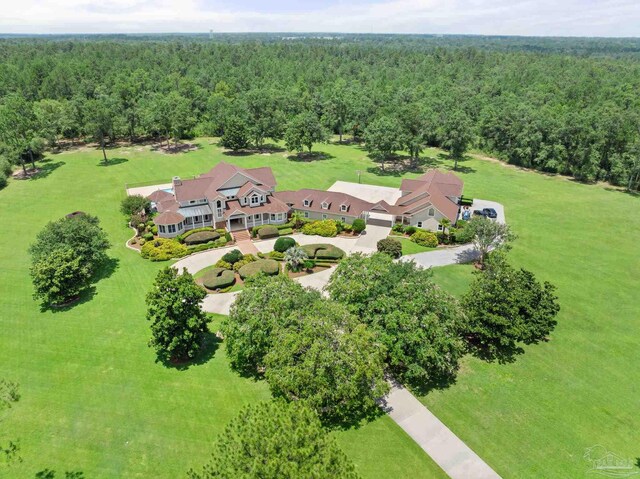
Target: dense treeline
x,y
556,112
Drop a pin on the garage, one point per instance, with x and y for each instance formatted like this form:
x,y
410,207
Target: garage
x,y
380,219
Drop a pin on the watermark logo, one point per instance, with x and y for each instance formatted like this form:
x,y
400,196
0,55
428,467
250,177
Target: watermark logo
x,y
608,464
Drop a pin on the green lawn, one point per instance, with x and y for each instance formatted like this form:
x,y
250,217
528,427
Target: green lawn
x,y
409,247
93,399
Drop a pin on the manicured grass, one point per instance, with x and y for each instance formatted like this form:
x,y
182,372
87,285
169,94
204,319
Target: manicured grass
x,y
94,400
93,397
409,247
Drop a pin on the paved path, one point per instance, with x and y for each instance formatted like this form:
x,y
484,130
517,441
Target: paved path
x,y
443,446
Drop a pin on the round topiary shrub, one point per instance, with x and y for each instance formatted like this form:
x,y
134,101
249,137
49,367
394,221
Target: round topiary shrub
x,y
425,238
391,247
232,256
201,237
218,278
267,266
410,230
283,244
358,225
268,231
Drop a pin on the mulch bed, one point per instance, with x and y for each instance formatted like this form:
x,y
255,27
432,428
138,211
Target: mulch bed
x,y
307,272
19,174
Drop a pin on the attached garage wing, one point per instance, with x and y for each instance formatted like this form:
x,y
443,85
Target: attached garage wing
x,y
380,219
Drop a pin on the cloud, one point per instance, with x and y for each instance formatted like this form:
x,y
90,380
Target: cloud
x,y
489,17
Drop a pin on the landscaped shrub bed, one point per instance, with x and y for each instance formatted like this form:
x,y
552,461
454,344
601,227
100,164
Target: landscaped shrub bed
x,y
218,278
323,252
267,266
163,249
285,231
232,256
219,243
390,246
283,226
326,228
268,231
425,238
201,237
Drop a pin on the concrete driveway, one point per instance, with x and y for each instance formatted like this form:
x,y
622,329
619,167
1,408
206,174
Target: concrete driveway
x,y
368,240
480,204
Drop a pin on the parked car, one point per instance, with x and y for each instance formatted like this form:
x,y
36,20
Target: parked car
x,y
479,213
490,213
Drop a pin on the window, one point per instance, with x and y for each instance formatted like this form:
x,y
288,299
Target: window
x,y
255,200
207,218
273,217
440,228
324,217
431,212
325,206
419,224
196,219
343,207
343,219
306,214
162,229
219,209
306,202
172,228
256,216
192,202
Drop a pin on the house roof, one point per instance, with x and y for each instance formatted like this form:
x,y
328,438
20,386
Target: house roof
x,y
272,205
159,195
168,218
432,188
208,184
355,206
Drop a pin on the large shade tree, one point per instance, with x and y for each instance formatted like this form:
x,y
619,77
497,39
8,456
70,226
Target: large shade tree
x,y
506,306
324,356
276,440
265,303
178,323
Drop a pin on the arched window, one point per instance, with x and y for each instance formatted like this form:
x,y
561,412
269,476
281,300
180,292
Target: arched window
x,y
432,212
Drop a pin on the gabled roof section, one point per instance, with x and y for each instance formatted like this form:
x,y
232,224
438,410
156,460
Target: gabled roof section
x,y
317,197
159,195
168,218
433,189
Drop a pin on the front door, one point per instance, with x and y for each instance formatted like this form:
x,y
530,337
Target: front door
x,y
236,224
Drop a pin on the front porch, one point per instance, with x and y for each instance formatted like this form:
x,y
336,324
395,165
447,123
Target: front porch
x,y
244,222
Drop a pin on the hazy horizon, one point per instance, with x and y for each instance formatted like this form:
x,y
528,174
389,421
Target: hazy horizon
x,y
545,18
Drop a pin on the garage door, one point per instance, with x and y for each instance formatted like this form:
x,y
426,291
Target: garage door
x,y
380,219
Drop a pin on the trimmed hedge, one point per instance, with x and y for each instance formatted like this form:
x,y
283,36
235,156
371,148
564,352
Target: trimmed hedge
x,y
186,234
390,246
201,237
232,256
219,243
285,231
267,266
358,225
218,278
163,249
268,231
425,238
323,251
283,244
326,228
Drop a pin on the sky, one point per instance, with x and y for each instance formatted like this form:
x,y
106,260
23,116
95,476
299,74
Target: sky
x,y
609,18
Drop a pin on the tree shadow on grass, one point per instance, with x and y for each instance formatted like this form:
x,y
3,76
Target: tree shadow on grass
x,y
208,348
634,194
112,161
46,168
109,266
461,168
238,152
308,157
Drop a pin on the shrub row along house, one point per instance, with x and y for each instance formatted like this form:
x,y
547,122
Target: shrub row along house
x,y
236,198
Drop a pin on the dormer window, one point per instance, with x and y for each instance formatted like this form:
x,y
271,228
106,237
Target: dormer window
x,y
306,203
325,205
343,207
255,200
